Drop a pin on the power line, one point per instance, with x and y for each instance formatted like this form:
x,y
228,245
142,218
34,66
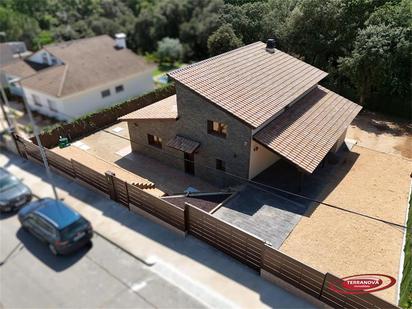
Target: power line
x,y
268,186
259,183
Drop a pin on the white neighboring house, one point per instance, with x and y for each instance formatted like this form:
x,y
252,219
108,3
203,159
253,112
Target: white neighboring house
x,y
70,79
11,52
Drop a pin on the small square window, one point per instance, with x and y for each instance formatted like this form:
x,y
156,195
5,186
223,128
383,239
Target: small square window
x,y
119,88
52,105
36,100
105,93
217,128
154,140
220,165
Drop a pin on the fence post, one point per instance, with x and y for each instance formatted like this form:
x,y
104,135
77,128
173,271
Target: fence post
x,y
186,217
16,139
110,184
323,286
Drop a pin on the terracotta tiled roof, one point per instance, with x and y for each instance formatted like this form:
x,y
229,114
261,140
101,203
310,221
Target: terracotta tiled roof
x,y
183,144
306,132
87,63
163,109
249,82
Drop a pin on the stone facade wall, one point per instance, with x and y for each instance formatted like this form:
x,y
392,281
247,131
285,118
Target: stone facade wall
x,y
194,112
166,130
234,150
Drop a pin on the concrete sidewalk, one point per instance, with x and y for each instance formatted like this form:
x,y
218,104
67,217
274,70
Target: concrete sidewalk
x,y
205,273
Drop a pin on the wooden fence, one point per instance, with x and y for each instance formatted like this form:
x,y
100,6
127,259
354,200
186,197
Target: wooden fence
x,y
241,245
232,240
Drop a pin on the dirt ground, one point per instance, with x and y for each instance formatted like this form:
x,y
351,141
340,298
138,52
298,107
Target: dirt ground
x,y
382,133
345,243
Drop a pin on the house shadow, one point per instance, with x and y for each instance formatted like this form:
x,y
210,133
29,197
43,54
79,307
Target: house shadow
x,y
377,124
189,246
282,178
43,254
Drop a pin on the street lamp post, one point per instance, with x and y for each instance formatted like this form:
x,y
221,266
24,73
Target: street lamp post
x,y
11,122
36,134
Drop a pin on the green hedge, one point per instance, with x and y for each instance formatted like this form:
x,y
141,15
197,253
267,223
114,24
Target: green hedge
x,y
405,300
95,121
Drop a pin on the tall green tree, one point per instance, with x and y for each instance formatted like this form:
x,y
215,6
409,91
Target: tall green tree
x,y
223,40
18,27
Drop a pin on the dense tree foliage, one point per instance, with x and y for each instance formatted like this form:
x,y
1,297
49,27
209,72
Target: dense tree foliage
x,y
365,45
169,50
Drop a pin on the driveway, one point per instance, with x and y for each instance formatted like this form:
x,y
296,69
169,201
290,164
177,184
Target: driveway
x,y
260,212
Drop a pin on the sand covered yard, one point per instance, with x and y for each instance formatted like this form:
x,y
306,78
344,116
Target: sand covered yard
x,y
348,243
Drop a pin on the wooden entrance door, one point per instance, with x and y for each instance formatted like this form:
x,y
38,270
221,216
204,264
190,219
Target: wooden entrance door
x,y
189,163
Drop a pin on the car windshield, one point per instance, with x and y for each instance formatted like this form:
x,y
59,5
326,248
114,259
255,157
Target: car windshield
x,y
8,182
68,232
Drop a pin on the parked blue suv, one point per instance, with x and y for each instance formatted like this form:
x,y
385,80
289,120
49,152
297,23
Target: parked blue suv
x,y
58,225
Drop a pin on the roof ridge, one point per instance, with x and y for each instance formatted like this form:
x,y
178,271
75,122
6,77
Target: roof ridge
x,y
212,58
45,70
59,92
76,40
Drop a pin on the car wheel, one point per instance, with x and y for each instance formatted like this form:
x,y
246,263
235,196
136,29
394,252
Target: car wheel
x,y
53,250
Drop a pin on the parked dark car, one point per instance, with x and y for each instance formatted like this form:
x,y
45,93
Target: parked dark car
x,y
58,225
13,193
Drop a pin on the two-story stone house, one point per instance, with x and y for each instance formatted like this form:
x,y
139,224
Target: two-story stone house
x,y
236,114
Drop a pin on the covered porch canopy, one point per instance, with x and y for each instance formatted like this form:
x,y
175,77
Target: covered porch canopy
x,y
304,133
183,144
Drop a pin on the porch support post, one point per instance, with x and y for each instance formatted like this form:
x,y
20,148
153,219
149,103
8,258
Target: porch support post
x,y
301,179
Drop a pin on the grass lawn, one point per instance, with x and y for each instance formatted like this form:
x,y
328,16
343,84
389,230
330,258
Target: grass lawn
x,y
165,67
405,300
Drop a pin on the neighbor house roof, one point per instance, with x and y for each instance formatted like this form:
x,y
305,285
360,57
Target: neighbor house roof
x,y
87,63
19,68
163,109
6,54
183,144
249,82
305,132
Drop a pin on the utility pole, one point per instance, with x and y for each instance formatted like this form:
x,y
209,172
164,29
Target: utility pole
x,y
11,122
36,134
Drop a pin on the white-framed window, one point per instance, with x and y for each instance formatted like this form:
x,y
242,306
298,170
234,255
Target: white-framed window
x,y
36,100
45,58
105,93
53,60
119,88
52,105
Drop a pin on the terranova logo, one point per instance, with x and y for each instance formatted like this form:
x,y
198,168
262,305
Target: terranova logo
x,y
362,284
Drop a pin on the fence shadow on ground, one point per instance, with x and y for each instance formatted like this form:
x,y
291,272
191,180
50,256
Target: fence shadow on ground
x,y
241,245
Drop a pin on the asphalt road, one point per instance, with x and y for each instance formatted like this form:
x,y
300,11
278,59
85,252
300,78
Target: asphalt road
x,y
100,276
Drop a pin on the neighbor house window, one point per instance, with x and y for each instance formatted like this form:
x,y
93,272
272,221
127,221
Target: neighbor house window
x,y
36,100
119,88
45,58
105,93
220,165
53,60
216,128
154,140
52,105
